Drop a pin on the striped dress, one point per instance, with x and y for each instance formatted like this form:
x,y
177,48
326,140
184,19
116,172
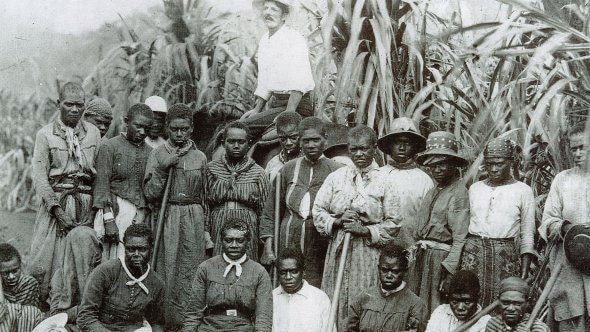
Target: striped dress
x,y
25,292
235,191
18,318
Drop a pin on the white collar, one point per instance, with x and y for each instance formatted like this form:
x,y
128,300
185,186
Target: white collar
x,y
232,263
304,291
397,289
134,280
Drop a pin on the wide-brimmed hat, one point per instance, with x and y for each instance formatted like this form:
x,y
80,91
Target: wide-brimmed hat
x,y
402,126
259,4
442,143
575,245
55,323
337,140
157,104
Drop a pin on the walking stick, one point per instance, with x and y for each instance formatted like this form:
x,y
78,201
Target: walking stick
x,y
543,297
335,298
160,222
467,325
275,276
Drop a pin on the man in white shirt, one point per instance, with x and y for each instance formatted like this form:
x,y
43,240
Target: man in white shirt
x,y
464,292
156,134
284,69
297,306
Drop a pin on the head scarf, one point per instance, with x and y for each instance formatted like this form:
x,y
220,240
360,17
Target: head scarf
x,y
99,106
514,284
500,148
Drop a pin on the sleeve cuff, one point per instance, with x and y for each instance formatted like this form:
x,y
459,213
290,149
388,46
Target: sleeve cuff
x,y
264,94
449,268
374,229
329,225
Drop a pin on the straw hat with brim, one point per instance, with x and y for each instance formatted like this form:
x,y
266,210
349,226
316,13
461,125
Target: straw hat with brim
x,y
337,140
259,4
53,323
575,245
441,144
402,126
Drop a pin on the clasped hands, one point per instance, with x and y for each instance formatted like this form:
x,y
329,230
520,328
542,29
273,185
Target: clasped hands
x,y
350,221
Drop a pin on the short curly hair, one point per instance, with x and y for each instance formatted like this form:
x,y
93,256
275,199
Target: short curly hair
x,y
8,252
139,230
237,224
179,111
237,125
464,282
292,253
139,109
393,250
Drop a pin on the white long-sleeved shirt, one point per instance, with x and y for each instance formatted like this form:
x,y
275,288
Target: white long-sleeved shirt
x,y
307,310
503,212
283,64
443,320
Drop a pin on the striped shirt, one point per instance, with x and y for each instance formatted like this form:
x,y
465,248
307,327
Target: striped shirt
x,y
26,292
18,318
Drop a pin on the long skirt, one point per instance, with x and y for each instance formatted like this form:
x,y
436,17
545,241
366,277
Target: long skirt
x,y
425,276
492,260
123,219
75,255
181,250
221,214
360,272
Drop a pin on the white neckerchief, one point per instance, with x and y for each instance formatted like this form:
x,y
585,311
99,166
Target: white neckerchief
x,y
232,263
134,280
397,289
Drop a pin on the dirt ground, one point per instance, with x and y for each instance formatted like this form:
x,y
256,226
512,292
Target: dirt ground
x,y
17,229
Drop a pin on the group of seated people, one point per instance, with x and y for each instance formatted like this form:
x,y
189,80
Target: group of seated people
x,y
231,292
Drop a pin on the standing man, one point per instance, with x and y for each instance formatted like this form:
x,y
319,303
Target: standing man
x,y
63,174
286,126
236,187
401,145
443,220
284,69
124,294
300,181
156,134
566,206
185,237
99,113
502,213
463,304
356,200
118,191
297,306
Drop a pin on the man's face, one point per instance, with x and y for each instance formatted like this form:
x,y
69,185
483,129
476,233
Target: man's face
x,y
158,125
137,252
442,171
234,243
179,131
512,305
273,15
289,138
498,169
361,151
290,275
101,122
403,148
577,142
391,273
137,127
10,272
71,107
463,305
236,143
312,144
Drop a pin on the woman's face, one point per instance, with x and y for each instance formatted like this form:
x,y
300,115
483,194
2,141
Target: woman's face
x,y
391,273
234,244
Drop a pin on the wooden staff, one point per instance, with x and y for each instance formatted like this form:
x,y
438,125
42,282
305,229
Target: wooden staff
x,y
467,325
160,222
277,206
543,297
339,276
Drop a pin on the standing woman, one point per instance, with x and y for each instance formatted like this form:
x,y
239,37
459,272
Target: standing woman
x,y
230,291
184,237
442,221
236,187
501,236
